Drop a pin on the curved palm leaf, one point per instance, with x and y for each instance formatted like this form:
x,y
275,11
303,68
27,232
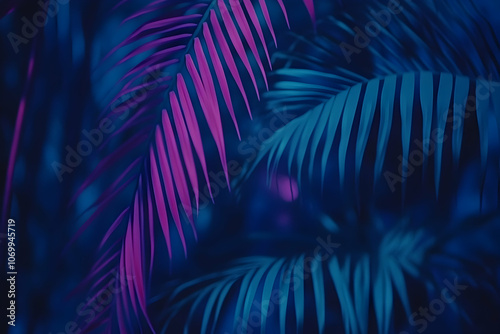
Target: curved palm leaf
x,y
187,45
353,280
343,101
361,101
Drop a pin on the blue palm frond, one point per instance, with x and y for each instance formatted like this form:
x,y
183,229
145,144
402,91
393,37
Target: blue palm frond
x,y
337,115
282,295
345,105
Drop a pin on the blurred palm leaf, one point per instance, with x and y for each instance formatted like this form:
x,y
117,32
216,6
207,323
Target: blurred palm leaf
x,y
353,281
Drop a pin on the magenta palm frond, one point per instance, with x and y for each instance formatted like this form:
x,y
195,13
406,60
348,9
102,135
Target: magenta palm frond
x,y
199,45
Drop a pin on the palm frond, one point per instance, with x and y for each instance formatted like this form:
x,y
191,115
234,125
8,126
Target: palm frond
x,y
267,294
352,105
182,47
361,101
